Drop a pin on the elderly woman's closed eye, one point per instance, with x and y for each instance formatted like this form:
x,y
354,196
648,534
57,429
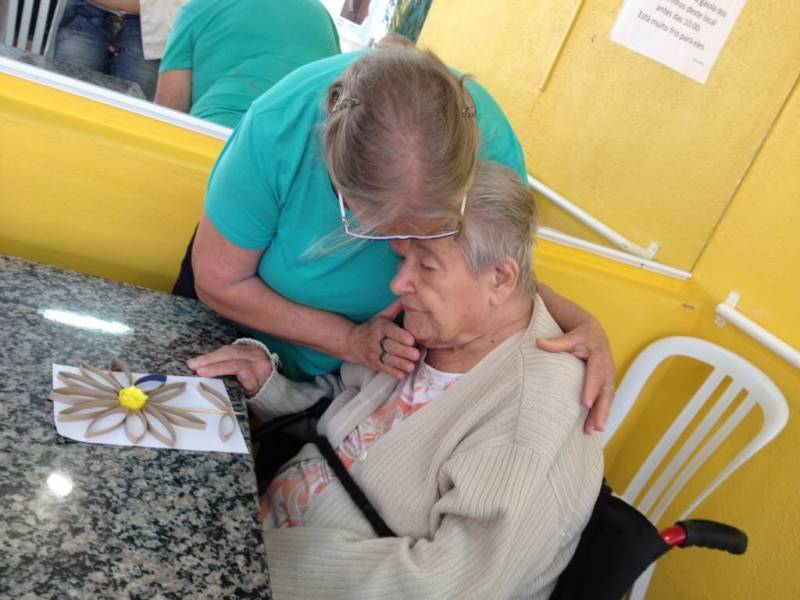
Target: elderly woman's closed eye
x,y
462,296
476,460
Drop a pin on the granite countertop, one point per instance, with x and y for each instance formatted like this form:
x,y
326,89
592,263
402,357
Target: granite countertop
x,y
137,522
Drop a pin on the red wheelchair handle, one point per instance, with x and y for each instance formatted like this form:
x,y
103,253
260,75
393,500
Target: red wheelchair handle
x,y
706,534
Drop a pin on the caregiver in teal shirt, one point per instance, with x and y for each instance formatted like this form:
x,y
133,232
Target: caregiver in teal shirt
x,y
223,54
268,252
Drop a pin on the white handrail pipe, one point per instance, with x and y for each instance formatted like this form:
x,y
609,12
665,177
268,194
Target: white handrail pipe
x,y
593,223
552,235
727,313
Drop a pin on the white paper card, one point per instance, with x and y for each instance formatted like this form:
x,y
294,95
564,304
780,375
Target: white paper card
x,y
207,439
685,35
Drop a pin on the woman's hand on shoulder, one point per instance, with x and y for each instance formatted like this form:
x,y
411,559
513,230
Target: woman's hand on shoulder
x,y
249,364
381,345
588,341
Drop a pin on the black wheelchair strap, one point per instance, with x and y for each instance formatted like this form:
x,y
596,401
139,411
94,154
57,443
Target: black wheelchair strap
x,y
379,526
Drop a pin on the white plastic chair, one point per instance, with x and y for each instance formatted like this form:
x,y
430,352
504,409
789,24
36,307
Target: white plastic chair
x,y
19,37
760,391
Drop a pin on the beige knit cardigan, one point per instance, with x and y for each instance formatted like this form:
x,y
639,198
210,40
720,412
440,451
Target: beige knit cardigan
x,y
488,486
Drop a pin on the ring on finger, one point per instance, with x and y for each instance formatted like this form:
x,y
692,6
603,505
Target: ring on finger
x,y
383,348
382,356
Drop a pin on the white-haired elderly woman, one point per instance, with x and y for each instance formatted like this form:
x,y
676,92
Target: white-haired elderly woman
x,y
476,461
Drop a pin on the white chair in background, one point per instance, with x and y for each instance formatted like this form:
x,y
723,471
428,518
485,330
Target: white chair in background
x,y
18,37
745,378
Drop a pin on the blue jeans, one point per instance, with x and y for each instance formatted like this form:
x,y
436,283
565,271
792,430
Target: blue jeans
x,y
103,41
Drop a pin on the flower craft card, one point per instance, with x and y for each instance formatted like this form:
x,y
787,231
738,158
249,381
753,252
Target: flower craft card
x,y
121,408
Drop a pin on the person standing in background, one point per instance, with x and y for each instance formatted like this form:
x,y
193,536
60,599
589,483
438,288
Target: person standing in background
x,y
221,55
109,36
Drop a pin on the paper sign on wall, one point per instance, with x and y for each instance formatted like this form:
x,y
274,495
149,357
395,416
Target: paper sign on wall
x,y
685,35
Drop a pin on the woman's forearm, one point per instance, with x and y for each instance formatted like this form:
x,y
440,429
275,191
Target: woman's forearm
x,y
174,89
253,304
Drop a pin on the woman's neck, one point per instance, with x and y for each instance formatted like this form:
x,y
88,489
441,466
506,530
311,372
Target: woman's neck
x,y
512,317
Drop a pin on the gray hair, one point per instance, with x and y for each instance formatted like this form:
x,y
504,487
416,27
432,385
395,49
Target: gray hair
x,y
499,221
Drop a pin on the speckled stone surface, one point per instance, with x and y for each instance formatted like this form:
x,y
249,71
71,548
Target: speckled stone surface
x,y
139,522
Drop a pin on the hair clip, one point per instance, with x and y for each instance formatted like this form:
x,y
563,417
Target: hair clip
x,y
468,112
345,103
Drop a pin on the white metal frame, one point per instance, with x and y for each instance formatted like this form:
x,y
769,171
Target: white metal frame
x,y
19,39
593,223
553,235
701,443
726,312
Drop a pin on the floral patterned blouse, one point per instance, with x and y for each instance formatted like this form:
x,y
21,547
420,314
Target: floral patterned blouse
x,y
295,488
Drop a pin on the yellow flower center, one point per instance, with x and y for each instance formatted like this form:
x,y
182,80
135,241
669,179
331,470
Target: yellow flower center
x,y
132,398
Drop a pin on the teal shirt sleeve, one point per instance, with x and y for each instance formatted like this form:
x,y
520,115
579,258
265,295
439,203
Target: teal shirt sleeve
x,y
335,34
180,44
240,201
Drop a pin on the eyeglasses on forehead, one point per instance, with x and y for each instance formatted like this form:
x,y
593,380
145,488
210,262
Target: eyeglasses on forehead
x,y
369,236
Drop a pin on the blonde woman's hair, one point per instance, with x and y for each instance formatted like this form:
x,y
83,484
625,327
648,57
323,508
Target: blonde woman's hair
x,y
500,221
401,138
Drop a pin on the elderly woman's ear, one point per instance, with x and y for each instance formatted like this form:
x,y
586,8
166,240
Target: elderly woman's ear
x,y
504,280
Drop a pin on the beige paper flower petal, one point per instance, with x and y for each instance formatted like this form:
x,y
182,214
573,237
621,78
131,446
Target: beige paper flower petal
x,y
74,379
225,433
214,397
182,417
165,392
77,412
92,429
227,423
87,391
155,419
88,370
134,415
117,364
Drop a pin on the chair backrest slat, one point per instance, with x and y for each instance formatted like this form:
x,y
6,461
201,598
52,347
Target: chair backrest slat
x,y
674,431
701,457
25,25
41,25
11,23
689,446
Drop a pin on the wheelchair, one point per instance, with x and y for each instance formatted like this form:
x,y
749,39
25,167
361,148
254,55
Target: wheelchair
x,y
618,544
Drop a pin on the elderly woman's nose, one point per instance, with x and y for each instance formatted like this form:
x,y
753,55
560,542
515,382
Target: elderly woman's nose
x,y
402,282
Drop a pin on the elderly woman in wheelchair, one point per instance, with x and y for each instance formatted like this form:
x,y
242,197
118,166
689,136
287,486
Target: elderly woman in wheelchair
x,y
471,477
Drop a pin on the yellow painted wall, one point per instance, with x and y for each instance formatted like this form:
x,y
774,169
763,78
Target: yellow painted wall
x,y
94,188
647,150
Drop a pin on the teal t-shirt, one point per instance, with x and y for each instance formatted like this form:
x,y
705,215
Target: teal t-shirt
x,y
238,49
270,190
